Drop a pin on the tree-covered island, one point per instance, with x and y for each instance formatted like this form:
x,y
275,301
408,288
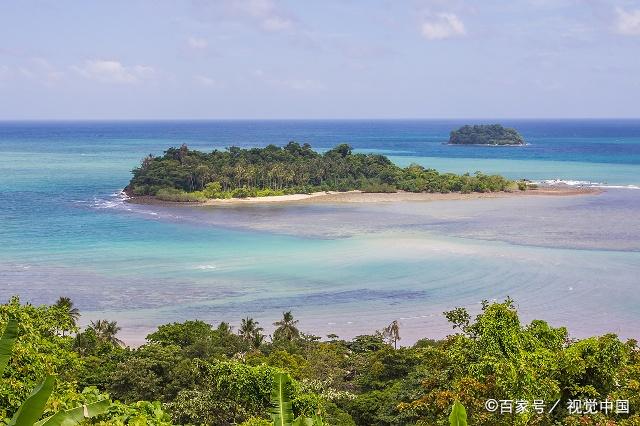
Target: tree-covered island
x,y
486,134
182,174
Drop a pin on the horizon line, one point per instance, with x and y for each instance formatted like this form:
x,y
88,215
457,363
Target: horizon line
x,y
25,120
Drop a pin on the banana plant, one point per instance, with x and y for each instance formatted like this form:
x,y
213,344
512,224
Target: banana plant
x,y
458,416
6,343
33,407
282,410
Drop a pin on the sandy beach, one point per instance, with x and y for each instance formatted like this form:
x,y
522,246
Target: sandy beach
x,y
367,197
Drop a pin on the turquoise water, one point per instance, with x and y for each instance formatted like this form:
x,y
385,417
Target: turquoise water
x,y
347,269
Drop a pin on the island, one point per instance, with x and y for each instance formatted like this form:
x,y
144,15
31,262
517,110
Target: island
x,y
486,134
185,175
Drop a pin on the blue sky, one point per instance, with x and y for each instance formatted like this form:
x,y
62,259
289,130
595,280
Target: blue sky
x,y
160,59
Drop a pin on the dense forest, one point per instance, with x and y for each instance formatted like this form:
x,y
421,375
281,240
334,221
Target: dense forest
x,y
486,134
194,373
182,174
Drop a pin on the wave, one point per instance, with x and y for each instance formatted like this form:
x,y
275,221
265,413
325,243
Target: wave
x,y
584,183
206,267
113,201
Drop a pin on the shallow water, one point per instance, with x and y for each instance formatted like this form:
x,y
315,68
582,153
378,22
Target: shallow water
x,y
342,268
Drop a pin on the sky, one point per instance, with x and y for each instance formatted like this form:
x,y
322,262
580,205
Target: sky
x,y
305,59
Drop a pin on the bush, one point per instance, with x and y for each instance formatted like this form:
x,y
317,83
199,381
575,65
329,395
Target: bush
x,y
140,190
378,187
257,421
244,192
268,192
212,190
178,195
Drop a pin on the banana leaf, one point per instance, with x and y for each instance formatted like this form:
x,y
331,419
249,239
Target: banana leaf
x,y
303,421
31,410
458,416
76,415
282,410
6,343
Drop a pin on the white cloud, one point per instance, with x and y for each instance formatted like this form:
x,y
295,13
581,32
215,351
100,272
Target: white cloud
x,y
443,26
36,69
267,15
197,43
108,71
293,84
305,85
628,22
207,81
276,23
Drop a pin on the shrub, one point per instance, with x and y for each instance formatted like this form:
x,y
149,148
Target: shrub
x,y
268,192
378,187
212,190
244,192
178,195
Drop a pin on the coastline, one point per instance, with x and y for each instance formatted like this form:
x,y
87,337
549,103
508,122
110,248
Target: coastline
x,y
376,197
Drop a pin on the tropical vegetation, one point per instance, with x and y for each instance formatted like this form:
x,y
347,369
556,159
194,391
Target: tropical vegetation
x,y
486,134
184,175
194,373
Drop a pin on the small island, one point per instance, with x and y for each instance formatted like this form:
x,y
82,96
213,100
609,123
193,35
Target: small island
x,y
185,175
486,134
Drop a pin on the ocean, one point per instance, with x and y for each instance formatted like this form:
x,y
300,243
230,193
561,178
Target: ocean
x,y
345,269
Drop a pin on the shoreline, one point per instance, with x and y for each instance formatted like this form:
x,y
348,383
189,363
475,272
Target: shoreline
x,y
357,196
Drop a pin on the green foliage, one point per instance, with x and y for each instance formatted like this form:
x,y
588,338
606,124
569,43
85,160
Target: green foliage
x,y
40,350
33,408
179,195
76,415
458,416
492,134
257,421
6,343
282,410
286,328
181,334
187,175
198,374
378,187
141,413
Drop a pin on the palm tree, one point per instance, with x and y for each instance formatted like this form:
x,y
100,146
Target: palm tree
x,y
249,328
392,333
287,329
107,331
66,304
224,329
257,340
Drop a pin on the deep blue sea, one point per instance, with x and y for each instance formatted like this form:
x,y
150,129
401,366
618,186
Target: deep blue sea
x,y
349,269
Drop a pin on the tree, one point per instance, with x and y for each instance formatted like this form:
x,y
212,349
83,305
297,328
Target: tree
x,y
33,408
187,175
106,331
66,305
39,351
181,334
392,333
286,328
251,332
